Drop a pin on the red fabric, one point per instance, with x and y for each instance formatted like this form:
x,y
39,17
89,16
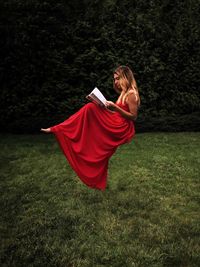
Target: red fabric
x,y
89,138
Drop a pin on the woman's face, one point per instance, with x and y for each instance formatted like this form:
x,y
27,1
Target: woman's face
x,y
116,81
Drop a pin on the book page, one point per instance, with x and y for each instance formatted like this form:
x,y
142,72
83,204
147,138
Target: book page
x,y
97,97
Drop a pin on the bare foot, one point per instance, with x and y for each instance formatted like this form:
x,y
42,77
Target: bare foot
x,y
47,130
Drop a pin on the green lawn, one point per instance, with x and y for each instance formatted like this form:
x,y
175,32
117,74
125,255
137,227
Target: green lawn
x,y
148,216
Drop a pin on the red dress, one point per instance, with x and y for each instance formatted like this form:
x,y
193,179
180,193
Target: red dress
x,y
89,138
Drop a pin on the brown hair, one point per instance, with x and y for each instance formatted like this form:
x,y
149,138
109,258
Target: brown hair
x,y
127,83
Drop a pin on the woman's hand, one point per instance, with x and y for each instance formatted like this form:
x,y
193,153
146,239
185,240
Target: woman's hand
x,y
110,105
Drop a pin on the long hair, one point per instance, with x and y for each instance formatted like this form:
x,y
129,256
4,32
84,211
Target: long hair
x,y
127,83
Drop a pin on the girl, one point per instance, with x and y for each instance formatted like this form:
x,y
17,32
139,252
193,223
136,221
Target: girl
x,y
90,137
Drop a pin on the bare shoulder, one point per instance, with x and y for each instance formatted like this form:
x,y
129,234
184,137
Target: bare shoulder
x,y
131,92
132,104
131,97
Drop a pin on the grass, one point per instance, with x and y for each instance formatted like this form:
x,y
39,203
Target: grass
x,y
148,215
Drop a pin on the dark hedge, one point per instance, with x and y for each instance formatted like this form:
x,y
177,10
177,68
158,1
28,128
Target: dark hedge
x,y
53,53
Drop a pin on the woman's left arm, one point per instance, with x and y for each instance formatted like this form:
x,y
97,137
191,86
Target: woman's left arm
x,y
132,104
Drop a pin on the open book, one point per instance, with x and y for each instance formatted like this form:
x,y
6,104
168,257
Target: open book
x,y
97,97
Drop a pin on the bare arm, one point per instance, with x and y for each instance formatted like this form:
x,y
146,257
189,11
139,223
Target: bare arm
x,y
132,104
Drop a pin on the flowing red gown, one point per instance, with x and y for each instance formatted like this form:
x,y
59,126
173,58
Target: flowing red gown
x,y
89,138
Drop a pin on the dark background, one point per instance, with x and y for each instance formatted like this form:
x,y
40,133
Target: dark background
x,y
53,53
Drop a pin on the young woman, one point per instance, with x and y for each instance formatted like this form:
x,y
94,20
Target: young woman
x,y
90,137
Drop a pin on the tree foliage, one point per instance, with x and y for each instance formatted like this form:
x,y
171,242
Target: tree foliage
x,y
54,52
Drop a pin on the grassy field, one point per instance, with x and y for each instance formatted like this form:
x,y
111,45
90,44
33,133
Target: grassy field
x,y
149,215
